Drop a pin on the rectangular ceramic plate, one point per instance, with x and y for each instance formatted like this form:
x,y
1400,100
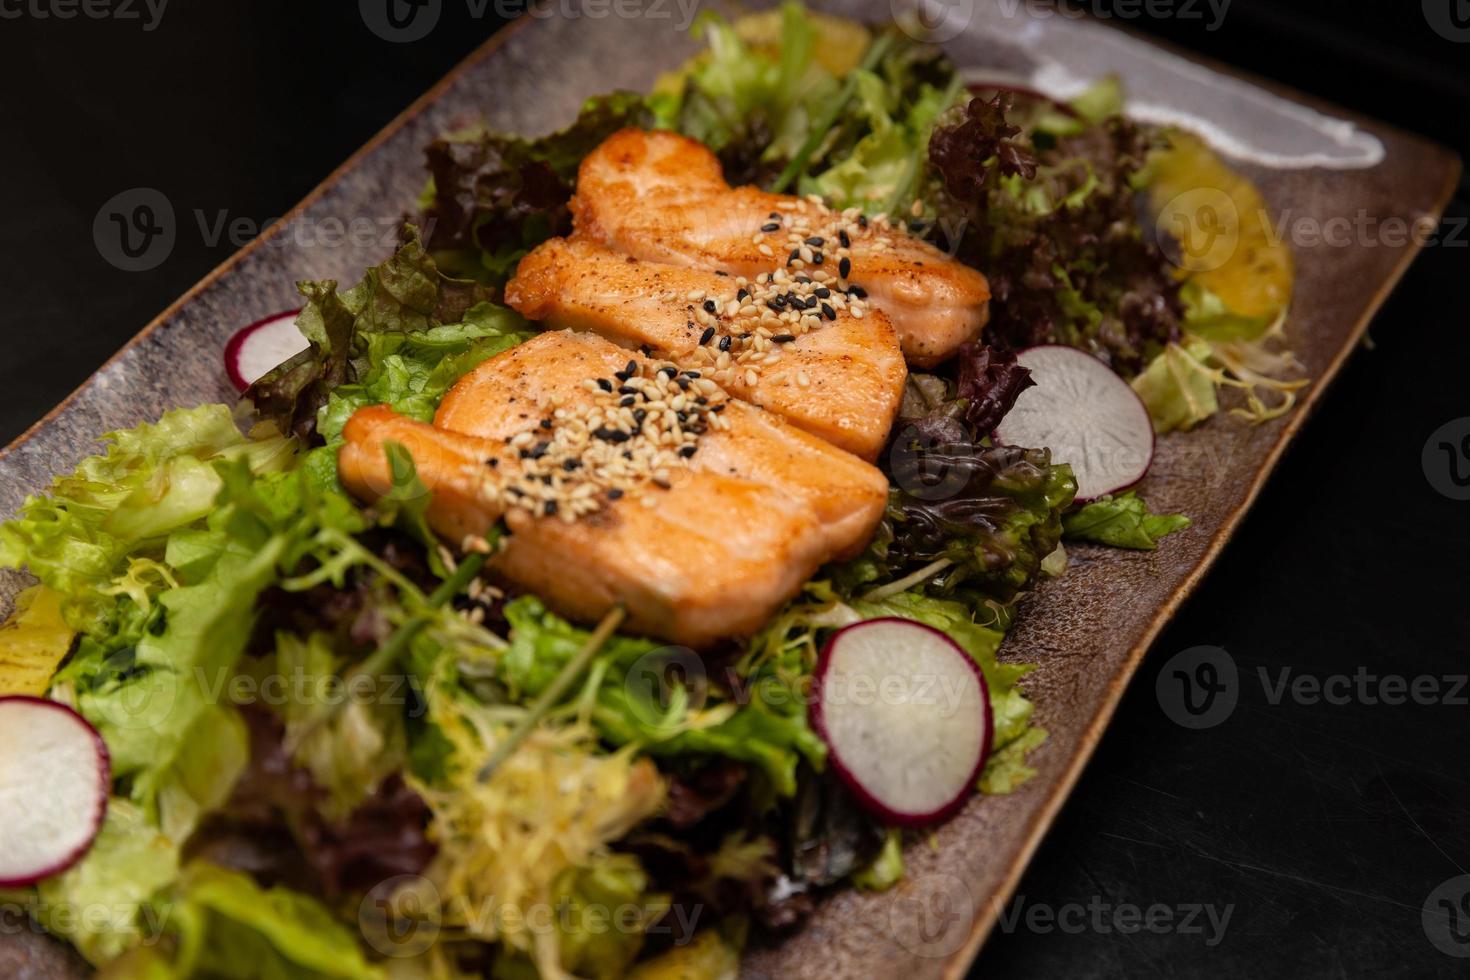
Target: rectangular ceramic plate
x,y
1087,631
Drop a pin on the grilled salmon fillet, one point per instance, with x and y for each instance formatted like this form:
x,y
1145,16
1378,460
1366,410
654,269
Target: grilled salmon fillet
x,y
662,197
842,381
758,508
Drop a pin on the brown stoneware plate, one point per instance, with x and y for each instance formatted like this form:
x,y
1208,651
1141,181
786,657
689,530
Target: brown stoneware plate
x,y
1318,167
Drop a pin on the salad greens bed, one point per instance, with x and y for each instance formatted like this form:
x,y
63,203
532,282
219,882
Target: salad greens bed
x,y
304,698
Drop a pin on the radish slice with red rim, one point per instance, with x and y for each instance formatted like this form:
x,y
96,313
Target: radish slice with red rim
x,y
55,774
1086,415
254,350
906,715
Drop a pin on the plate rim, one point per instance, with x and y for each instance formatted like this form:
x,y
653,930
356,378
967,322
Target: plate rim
x,y
960,961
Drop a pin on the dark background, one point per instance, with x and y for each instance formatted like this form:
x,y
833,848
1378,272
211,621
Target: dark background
x,y
1324,827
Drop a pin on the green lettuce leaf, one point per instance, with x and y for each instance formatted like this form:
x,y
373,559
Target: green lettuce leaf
x,y
1122,521
154,479
401,335
1178,387
770,732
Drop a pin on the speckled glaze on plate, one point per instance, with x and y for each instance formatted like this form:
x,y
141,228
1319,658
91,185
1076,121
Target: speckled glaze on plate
x,y
1088,631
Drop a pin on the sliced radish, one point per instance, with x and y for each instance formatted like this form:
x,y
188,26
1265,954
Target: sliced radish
x,y
906,715
55,774
256,349
1086,415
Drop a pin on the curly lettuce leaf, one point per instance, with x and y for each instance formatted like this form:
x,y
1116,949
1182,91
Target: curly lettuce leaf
x,y
695,721
401,335
79,537
1122,521
494,196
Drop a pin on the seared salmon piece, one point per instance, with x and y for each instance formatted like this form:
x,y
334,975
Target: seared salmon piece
x,y
662,197
757,509
842,381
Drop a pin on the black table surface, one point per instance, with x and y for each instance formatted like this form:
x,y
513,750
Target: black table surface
x,y
1302,836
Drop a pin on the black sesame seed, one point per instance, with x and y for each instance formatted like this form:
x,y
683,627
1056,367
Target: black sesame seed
x,y
692,374
828,312
614,494
604,384
550,508
795,254
621,375
663,484
609,435
783,338
646,350
686,451
742,294
816,258
778,304
707,336
857,291
774,215
546,423
725,342
773,226
709,306
843,240
817,241
627,401
683,383
822,292
639,414
571,464
722,273
631,367
804,279
862,221
627,390
844,268
668,369
701,400
540,450
492,462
